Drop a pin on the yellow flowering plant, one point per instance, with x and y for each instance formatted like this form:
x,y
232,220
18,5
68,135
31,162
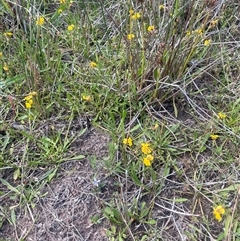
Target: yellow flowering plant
x,y
93,64
128,141
8,34
40,21
218,212
214,136
147,160
130,36
136,16
213,23
150,28
161,7
70,27
29,99
5,67
86,97
222,115
146,148
207,42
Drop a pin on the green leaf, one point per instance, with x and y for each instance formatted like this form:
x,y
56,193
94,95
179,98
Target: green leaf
x,y
75,158
52,174
151,222
13,217
233,187
135,128
134,176
9,186
180,200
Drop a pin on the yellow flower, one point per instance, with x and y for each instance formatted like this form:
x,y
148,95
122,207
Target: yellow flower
x,y
40,21
147,161
207,42
29,99
128,141
5,67
8,34
136,16
1,54
218,212
188,32
60,11
130,36
199,31
150,28
131,12
214,136
28,105
34,93
222,115
70,27
213,23
161,7
86,97
93,64
146,149
155,127
62,1
30,102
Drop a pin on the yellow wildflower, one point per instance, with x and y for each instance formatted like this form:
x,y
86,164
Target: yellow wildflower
x,y
30,102
128,141
93,64
150,28
161,7
188,32
130,36
34,93
214,136
207,42
86,97
199,31
29,99
70,27
40,21
5,67
222,115
28,105
147,161
218,212
131,12
213,23
8,34
60,11
146,149
62,1
1,54
155,127
136,16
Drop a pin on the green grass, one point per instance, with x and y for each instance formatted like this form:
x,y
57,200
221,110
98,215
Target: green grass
x,y
165,87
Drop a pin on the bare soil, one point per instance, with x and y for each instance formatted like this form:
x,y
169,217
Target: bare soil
x,y
66,205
